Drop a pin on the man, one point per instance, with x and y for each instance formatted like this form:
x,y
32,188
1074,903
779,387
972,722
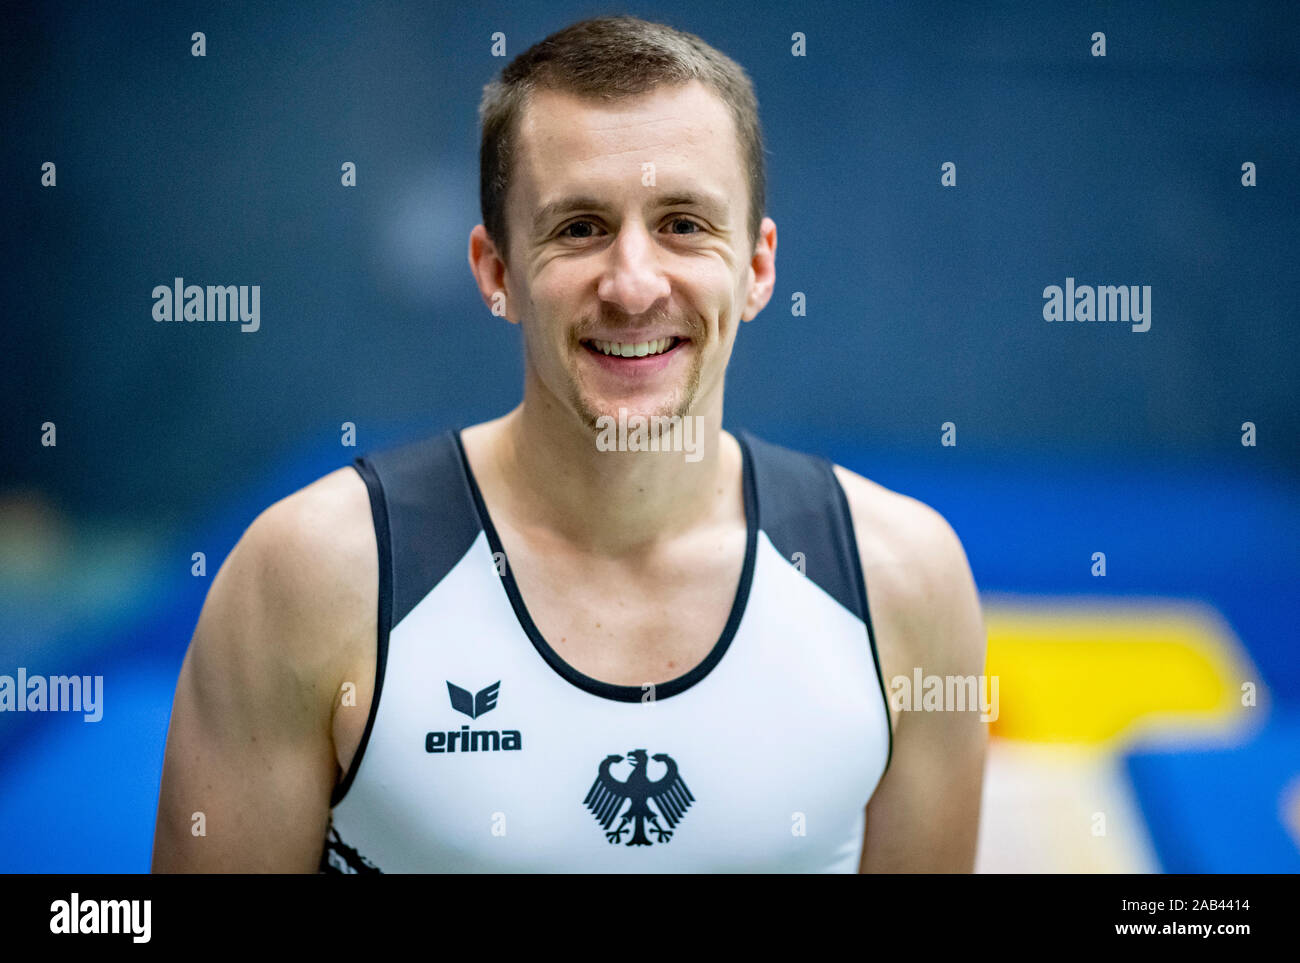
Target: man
x,y
533,645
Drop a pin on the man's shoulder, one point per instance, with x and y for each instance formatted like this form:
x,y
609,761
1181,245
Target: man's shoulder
x,y
895,528
898,528
311,558
324,522
916,569
327,528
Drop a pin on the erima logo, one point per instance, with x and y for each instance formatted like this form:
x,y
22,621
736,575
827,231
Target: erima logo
x,y
473,705
669,793
483,740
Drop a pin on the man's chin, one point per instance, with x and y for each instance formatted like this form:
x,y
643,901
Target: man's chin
x,y
597,417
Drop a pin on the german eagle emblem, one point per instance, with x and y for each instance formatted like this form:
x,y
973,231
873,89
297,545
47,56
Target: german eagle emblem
x,y
669,794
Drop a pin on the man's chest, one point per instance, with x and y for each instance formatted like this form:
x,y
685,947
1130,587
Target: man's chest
x,y
636,620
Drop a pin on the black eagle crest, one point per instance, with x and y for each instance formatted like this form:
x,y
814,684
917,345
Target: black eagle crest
x,y
669,792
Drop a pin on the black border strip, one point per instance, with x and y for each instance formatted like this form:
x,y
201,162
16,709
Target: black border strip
x,y
383,538
608,690
860,578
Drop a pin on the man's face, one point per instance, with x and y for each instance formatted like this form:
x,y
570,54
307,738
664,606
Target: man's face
x,y
628,227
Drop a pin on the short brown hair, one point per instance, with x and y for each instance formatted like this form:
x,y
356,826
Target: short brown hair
x,y
608,59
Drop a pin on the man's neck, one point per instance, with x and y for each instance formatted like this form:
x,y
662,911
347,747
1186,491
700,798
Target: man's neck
x,y
546,470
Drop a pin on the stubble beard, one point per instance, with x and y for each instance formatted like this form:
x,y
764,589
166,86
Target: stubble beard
x,y
679,405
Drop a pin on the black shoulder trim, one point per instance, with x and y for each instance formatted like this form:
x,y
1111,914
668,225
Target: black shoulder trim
x,y
424,524
430,515
804,511
860,577
379,514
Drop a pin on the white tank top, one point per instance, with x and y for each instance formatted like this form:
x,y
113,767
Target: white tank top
x,y
485,752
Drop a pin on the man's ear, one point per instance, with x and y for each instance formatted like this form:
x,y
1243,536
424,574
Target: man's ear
x,y
489,270
763,266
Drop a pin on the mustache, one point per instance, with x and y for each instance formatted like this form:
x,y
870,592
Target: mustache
x,y
609,321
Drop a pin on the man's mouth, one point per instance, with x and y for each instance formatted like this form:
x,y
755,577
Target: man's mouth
x,y
642,349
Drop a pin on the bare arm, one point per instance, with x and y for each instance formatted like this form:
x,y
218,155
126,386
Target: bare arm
x,y
924,815
250,746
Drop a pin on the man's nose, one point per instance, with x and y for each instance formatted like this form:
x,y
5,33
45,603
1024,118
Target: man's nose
x,y
633,278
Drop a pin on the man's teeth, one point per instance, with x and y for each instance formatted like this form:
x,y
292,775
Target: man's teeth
x,y
634,350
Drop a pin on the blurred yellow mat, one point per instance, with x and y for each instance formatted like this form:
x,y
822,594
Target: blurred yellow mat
x,y
1081,680
1105,672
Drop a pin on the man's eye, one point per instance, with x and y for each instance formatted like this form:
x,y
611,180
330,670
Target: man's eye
x,y
564,232
590,226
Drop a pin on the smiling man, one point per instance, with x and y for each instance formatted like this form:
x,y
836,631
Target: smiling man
x,y
516,648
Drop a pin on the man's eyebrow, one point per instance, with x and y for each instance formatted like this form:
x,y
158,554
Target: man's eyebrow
x,y
711,204
706,201
565,205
